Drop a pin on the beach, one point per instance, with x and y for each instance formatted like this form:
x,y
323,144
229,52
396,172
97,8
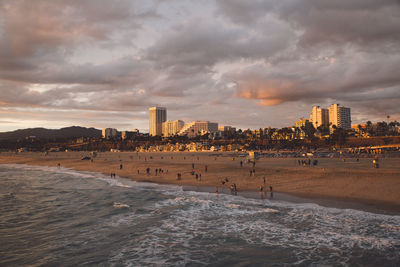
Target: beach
x,y
333,178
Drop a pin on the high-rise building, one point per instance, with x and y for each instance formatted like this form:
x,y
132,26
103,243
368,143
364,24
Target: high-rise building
x,y
319,117
196,128
171,128
339,116
157,115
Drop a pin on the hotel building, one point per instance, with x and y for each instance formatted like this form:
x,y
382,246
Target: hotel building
x,y
171,128
339,116
157,115
319,117
197,128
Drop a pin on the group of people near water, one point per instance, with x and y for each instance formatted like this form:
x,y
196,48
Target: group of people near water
x,y
156,171
233,186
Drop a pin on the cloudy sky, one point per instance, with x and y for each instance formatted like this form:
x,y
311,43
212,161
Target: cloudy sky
x,y
250,64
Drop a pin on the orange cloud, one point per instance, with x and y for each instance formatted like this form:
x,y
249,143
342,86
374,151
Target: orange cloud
x,y
269,92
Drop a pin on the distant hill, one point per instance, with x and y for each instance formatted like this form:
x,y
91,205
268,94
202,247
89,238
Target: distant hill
x,y
42,133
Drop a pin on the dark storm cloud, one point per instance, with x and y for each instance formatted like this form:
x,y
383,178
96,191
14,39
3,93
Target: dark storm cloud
x,y
360,40
39,36
359,21
199,43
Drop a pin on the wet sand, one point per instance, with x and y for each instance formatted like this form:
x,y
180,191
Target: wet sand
x,y
332,181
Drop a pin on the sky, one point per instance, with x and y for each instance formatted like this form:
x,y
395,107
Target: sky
x,y
248,64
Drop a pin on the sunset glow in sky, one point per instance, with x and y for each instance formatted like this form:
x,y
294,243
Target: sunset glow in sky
x,y
249,64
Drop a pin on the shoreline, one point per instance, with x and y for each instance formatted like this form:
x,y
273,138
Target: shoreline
x,y
333,184
323,201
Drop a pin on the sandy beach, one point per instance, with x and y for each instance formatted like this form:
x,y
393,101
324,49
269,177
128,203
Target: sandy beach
x,y
351,180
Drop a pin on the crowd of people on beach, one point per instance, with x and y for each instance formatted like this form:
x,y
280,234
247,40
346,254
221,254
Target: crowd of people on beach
x,y
197,175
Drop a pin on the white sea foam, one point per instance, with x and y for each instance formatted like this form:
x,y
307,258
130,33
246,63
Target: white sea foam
x,y
118,205
182,225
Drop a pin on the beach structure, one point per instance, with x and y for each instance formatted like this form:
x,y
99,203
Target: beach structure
x,y
197,128
319,117
157,115
339,116
171,128
108,133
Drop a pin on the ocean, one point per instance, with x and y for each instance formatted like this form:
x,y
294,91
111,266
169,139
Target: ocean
x,y
61,217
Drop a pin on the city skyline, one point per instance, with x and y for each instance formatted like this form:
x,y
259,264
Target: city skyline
x,y
247,64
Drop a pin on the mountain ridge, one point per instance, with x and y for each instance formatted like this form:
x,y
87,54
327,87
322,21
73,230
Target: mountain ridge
x,y
43,133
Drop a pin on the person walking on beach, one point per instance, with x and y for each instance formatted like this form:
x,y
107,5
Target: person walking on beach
x,y
206,168
264,180
241,163
120,166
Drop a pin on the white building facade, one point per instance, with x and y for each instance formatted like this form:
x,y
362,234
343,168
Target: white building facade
x,y
339,116
197,128
171,128
157,115
319,117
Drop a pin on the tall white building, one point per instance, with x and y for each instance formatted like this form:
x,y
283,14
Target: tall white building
x,y
108,133
157,115
171,128
319,117
196,128
339,116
